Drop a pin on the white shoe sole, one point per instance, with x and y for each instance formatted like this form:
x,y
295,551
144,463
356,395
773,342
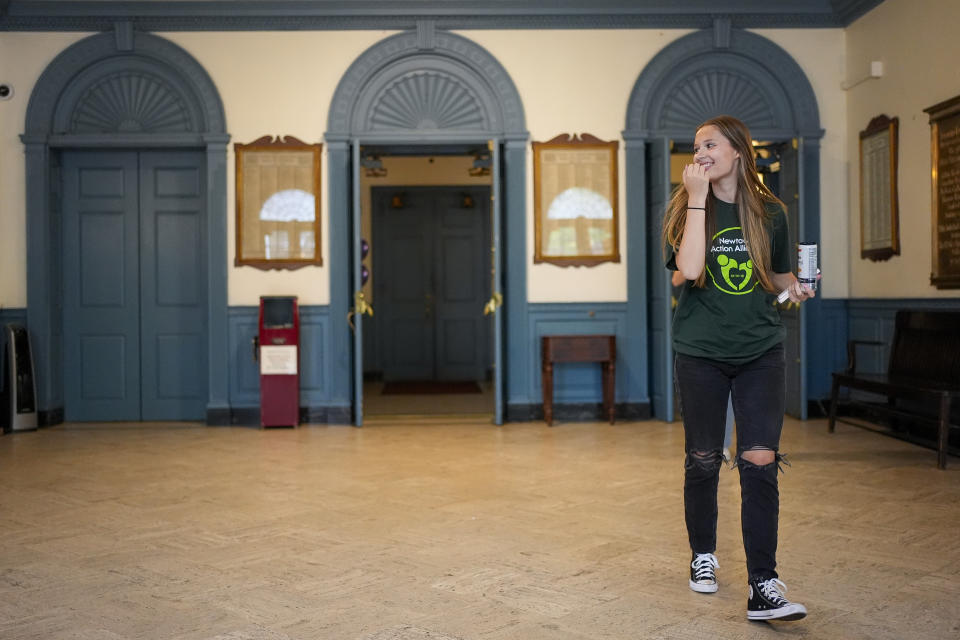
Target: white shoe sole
x,y
703,588
792,611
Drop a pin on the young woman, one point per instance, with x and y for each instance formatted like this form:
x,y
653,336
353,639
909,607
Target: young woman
x,y
726,233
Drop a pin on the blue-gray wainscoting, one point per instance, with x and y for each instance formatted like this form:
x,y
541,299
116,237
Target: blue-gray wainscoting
x,y
856,319
578,388
316,401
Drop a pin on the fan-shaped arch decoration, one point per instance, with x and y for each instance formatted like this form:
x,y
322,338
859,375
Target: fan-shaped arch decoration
x,y
713,92
427,101
72,95
129,102
751,78
396,86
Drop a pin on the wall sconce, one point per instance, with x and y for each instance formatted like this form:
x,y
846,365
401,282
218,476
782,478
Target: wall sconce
x,y
372,166
481,164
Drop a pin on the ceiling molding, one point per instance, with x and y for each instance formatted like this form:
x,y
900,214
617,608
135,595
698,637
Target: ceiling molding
x,y
261,15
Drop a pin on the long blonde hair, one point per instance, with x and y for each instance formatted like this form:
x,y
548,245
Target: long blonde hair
x,y
754,202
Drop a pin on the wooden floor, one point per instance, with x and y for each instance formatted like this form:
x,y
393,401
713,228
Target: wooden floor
x,y
447,527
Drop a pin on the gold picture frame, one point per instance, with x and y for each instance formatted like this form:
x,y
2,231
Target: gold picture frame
x,y
576,222
278,203
945,195
879,210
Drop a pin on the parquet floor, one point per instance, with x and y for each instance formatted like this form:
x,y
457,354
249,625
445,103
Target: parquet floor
x,y
445,527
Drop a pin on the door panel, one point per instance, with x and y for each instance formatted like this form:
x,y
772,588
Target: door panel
x,y
461,273
134,286
403,249
100,286
173,287
430,276
661,349
790,314
496,272
356,283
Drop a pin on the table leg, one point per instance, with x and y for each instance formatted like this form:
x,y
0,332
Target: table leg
x,y
944,432
609,377
547,375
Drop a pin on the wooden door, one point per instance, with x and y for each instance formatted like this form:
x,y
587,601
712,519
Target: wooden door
x,y
134,286
430,282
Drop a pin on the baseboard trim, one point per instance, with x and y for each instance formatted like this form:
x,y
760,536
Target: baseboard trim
x,y
578,412
50,417
219,417
250,416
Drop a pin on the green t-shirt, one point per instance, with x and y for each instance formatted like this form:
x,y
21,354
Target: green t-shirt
x,y
732,318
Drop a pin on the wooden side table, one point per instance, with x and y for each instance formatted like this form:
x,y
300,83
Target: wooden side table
x,y
582,348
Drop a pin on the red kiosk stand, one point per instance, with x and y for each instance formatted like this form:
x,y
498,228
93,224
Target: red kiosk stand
x,y
279,354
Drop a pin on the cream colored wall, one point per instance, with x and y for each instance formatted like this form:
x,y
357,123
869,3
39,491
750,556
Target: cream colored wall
x,y
575,82
409,172
23,57
917,43
277,84
570,81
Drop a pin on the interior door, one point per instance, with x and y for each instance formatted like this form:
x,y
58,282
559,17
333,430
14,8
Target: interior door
x,y
661,350
359,303
461,285
494,306
134,286
173,286
431,279
404,238
101,281
791,314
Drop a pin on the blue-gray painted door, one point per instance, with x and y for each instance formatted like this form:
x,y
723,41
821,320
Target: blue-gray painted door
x,y
356,283
496,272
430,282
173,287
134,286
661,350
101,283
789,192
403,277
462,342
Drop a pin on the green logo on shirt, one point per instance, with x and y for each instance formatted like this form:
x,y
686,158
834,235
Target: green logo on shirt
x,y
729,264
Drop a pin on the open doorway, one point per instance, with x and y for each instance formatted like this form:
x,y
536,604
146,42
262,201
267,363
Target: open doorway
x,y
426,228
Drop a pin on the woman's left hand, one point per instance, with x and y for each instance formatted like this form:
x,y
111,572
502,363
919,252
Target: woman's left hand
x,y
800,292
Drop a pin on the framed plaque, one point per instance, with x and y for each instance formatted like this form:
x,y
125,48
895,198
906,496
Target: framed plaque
x,y
945,196
879,216
575,201
278,203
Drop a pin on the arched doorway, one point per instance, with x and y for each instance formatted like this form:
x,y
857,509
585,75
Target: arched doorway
x,y
428,88
698,76
132,93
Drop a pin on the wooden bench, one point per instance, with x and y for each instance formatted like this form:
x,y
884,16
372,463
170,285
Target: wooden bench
x,y
924,365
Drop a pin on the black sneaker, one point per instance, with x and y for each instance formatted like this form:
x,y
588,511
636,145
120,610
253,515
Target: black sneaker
x,y
703,579
766,602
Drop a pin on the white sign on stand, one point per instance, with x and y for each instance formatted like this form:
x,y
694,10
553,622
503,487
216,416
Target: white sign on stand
x,y
278,360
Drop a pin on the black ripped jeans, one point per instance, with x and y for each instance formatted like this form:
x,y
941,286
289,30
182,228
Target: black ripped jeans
x,y
757,389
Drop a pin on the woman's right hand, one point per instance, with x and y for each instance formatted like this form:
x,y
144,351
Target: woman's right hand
x,y
697,184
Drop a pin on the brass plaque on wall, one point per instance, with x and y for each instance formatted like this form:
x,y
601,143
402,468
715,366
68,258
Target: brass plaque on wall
x,y
945,197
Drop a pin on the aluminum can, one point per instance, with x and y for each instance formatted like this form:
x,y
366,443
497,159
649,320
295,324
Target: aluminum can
x,y
807,264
